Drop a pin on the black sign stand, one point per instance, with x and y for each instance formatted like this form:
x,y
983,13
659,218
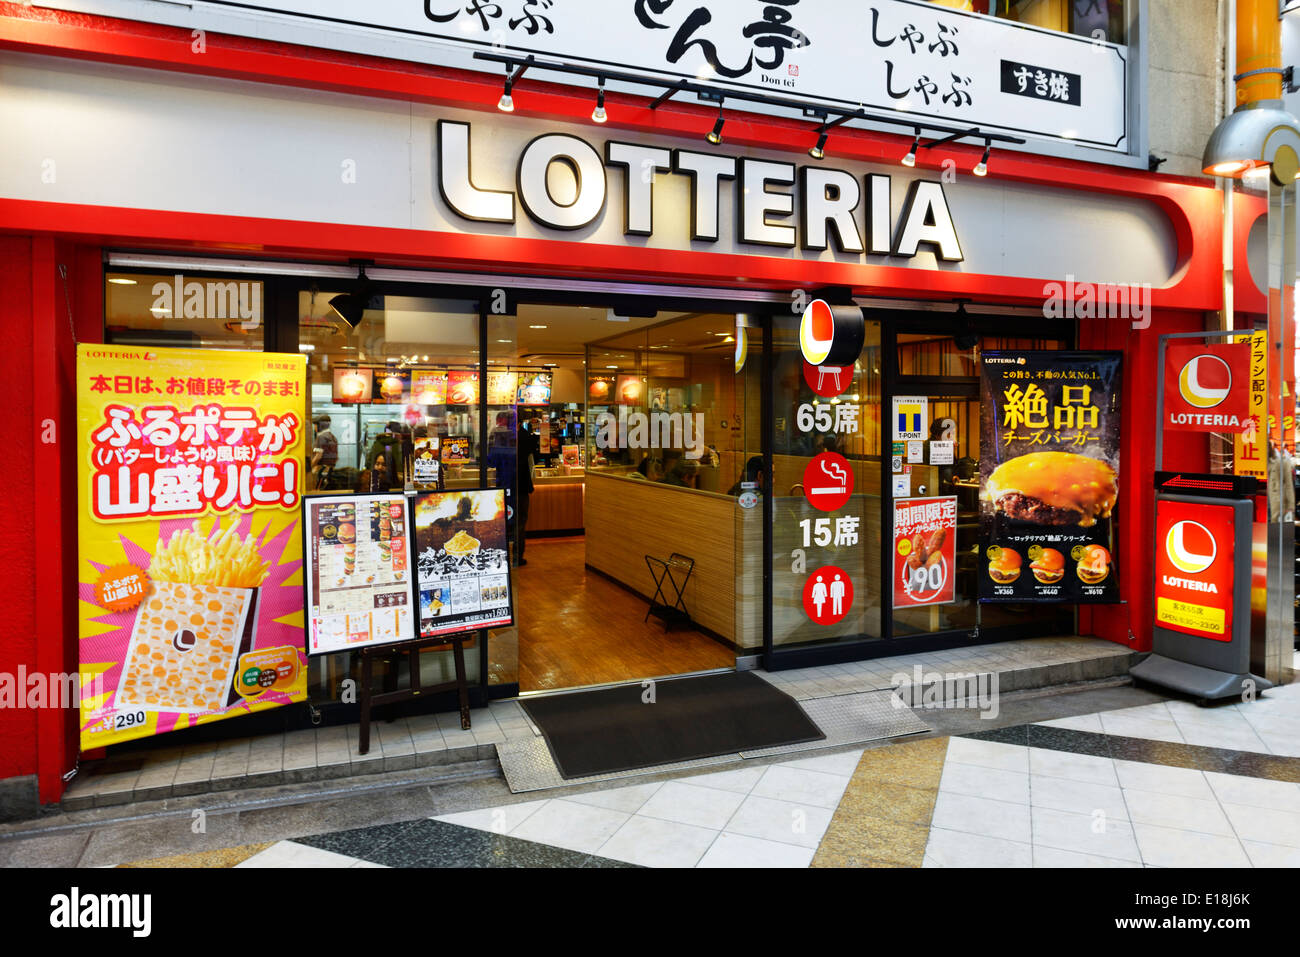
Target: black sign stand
x,y
391,694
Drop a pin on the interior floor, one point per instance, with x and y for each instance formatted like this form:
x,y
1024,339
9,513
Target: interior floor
x,y
577,627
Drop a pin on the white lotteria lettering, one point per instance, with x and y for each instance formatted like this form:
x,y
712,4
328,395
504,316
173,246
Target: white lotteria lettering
x,y
455,181
589,186
757,203
926,219
706,171
830,198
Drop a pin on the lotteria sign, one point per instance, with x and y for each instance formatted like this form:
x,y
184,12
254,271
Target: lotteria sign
x,y
1207,388
1195,568
561,183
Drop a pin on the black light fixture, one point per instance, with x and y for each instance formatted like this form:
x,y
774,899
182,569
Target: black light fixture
x,y
598,115
819,151
507,103
714,135
910,159
351,306
964,338
982,167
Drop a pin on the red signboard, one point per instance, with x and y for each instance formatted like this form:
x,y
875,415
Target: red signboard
x,y
827,481
925,551
1194,568
1207,388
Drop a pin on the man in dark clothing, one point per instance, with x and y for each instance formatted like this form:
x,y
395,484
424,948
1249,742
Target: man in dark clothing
x,y
325,451
526,454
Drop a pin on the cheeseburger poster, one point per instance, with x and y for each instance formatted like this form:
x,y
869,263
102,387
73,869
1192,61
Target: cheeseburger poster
x,y
189,552
1049,476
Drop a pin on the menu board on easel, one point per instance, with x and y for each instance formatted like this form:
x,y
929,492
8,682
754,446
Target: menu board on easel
x,y
358,573
462,561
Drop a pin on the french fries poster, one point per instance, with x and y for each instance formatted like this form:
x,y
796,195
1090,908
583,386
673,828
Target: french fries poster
x,y
1049,476
190,556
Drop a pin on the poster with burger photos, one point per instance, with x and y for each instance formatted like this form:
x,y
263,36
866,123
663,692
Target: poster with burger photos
x,y
1049,476
463,563
358,585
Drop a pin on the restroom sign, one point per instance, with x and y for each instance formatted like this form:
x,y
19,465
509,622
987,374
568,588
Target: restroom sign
x,y
828,595
910,415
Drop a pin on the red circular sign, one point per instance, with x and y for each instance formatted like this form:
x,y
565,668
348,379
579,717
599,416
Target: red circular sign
x,y
827,381
828,595
828,481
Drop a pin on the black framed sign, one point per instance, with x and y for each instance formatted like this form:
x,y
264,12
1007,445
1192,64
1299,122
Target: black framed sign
x,y
462,561
358,574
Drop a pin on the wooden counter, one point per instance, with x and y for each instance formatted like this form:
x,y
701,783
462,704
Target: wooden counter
x,y
626,519
557,504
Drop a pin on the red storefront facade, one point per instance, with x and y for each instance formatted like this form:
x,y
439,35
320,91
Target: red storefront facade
x,y
52,269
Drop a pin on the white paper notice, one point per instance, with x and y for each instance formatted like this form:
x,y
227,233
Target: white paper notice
x,y
941,453
915,451
902,486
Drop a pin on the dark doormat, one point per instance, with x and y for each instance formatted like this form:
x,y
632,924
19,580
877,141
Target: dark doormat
x,y
613,729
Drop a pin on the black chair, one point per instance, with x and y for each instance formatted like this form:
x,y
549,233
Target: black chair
x,y
675,573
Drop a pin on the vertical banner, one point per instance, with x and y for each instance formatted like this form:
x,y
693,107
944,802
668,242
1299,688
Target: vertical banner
x,y
1049,476
1249,443
189,551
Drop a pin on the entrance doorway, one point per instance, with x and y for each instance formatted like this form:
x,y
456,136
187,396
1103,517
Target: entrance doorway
x,y
634,427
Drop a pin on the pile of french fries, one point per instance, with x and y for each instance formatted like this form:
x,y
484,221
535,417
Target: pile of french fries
x,y
189,557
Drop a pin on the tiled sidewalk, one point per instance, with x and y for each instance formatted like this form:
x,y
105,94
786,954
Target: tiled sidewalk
x,y
325,754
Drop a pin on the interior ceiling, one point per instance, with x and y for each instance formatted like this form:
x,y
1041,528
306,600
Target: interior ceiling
x,y
567,331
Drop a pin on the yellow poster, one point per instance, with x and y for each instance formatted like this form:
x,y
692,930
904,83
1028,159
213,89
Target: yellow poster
x,y
1249,455
189,551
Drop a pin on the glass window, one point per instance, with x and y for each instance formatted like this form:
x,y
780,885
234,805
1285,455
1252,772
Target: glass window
x,y
849,538
184,311
406,369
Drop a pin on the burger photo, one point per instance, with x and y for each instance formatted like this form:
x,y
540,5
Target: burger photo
x,y
1094,565
347,533
1053,488
1005,569
1049,567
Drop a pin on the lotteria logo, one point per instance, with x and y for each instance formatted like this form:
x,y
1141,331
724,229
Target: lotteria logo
x,y
1205,381
831,335
1190,547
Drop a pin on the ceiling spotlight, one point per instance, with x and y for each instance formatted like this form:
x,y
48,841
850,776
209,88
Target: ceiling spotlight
x,y
819,151
598,115
351,307
507,104
982,167
714,135
910,159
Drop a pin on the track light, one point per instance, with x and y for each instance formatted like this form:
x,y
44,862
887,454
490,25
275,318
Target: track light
x,y
507,104
910,159
714,135
982,167
350,307
819,151
598,115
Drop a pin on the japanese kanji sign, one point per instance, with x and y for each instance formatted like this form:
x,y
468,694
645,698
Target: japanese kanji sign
x,y
189,483
908,57
1049,476
1250,443
925,551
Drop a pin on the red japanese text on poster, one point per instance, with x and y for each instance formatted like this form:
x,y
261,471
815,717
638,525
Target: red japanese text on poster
x,y
925,551
189,551
1249,445
1195,568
